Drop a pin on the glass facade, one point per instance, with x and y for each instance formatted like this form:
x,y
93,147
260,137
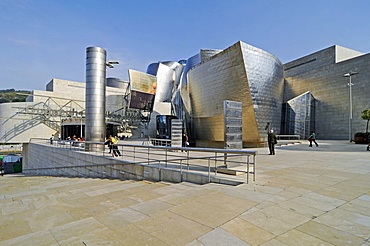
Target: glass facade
x,y
299,116
164,126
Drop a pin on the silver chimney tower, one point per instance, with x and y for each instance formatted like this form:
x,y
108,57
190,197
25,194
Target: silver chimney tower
x,y
95,95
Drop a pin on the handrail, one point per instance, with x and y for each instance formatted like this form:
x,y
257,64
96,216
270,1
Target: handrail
x,y
159,141
250,152
289,137
172,156
11,147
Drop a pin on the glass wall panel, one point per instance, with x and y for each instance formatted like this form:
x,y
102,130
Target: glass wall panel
x,y
299,116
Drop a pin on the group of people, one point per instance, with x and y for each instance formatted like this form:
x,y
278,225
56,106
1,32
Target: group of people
x,y
75,139
272,140
111,141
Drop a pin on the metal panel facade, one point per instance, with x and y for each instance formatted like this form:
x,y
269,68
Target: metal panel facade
x,y
240,73
95,94
266,83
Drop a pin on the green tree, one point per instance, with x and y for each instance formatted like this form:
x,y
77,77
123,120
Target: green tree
x,y
11,95
366,116
7,91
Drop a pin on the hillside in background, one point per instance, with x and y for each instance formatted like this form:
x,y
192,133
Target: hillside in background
x,y
12,95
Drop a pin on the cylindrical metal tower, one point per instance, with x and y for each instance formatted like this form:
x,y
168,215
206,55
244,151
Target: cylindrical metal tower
x,y
95,95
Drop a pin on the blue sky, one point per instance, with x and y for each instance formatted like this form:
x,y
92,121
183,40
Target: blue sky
x,y
45,39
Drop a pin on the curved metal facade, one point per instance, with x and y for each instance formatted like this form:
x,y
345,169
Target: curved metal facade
x,y
117,83
169,74
266,82
168,78
202,56
240,73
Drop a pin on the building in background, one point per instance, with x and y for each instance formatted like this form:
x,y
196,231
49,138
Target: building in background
x,y
304,95
321,73
241,73
169,75
60,109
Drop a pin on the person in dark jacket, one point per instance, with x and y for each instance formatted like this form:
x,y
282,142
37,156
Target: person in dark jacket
x,y
185,140
271,138
110,144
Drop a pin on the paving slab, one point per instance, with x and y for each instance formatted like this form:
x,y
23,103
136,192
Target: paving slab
x,y
301,196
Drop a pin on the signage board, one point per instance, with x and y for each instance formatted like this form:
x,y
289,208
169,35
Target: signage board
x,y
143,82
233,137
141,100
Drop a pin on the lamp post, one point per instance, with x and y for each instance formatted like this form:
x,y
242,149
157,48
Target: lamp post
x,y
350,74
110,62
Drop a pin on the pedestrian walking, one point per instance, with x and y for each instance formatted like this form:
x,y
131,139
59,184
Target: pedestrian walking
x,y
74,139
109,143
271,139
312,138
115,147
51,138
310,141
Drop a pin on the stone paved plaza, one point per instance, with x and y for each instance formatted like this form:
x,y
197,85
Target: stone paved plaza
x,y
301,196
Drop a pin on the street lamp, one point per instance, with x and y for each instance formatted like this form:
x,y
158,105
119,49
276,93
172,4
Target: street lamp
x,y
109,63
350,102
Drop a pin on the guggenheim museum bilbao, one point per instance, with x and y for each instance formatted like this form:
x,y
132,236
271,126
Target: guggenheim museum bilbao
x,y
325,92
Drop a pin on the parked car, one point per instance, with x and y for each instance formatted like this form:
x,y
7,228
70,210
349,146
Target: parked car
x,y
12,164
1,165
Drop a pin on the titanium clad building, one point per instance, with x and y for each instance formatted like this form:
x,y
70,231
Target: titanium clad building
x,y
168,74
239,73
307,94
202,56
168,78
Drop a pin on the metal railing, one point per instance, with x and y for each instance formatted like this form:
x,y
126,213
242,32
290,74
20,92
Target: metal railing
x,y
159,142
288,137
196,160
12,147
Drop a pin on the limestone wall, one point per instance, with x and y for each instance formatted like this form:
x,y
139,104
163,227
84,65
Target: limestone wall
x,y
331,91
47,160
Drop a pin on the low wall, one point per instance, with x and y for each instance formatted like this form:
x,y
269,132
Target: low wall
x,y
51,161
